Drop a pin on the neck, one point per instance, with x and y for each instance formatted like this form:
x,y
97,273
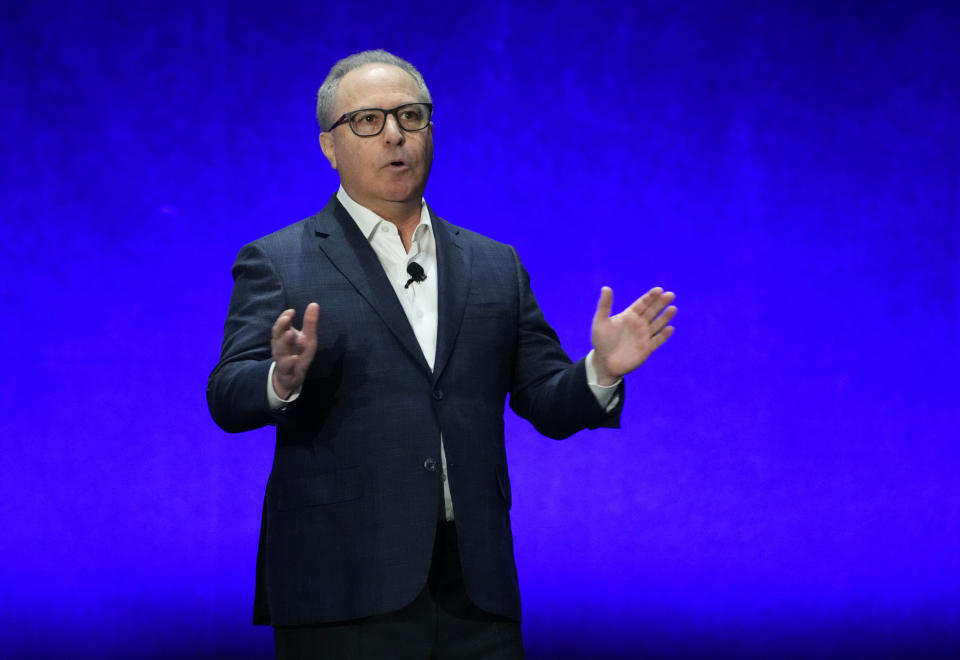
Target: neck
x,y
405,215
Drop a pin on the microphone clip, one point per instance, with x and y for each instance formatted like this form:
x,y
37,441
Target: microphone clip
x,y
415,271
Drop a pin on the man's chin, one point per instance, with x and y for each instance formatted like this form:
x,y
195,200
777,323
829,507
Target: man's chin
x,y
390,193
403,194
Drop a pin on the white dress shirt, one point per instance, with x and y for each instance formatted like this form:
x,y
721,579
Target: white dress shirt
x,y
419,302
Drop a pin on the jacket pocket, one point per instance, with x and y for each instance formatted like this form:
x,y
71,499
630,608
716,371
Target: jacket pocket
x,y
323,488
484,309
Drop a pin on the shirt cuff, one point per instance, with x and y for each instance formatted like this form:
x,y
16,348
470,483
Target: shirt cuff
x,y
607,396
273,399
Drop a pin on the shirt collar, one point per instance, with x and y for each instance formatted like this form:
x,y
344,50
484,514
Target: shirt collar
x,y
368,221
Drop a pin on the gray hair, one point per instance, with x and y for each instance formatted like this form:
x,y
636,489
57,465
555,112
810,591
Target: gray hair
x,y
328,90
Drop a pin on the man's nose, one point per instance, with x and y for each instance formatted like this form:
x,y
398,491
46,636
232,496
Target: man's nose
x,y
392,132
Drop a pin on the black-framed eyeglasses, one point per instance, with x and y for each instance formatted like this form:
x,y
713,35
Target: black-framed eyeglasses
x,y
368,122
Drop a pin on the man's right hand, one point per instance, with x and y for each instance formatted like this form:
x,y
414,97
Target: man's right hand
x,y
293,350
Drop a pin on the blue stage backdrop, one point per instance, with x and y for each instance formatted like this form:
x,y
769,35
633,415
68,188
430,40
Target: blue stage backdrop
x,y
785,483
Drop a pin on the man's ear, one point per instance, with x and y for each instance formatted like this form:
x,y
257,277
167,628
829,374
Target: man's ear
x,y
326,145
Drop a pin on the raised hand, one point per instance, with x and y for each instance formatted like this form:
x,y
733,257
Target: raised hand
x,y
623,342
293,349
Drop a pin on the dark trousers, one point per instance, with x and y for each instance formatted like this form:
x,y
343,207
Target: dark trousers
x,y
440,624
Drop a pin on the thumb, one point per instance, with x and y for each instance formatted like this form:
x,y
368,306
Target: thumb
x,y
604,305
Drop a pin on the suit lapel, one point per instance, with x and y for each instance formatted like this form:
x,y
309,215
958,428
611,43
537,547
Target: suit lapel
x,y
349,251
453,285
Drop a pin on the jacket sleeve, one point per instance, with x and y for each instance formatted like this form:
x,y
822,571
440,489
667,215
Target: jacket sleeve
x,y
548,389
237,387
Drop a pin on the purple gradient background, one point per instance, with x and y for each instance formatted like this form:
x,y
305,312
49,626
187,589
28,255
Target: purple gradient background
x,y
785,482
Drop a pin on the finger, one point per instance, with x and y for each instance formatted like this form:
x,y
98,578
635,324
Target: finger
x,y
657,303
285,346
662,320
660,339
641,304
282,324
310,317
604,305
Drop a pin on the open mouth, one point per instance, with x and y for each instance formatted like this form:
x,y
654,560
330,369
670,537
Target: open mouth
x,y
397,163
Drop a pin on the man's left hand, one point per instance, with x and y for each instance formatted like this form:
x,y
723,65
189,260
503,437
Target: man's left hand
x,y
623,342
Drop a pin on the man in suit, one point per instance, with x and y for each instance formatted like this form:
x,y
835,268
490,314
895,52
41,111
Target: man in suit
x,y
385,530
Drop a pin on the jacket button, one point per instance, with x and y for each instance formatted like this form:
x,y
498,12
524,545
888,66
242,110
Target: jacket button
x,y
430,465
438,394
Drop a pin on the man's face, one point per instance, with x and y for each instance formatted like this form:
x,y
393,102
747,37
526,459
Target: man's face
x,y
386,168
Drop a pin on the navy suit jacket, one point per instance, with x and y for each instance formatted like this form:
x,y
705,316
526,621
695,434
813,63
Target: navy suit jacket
x,y
354,494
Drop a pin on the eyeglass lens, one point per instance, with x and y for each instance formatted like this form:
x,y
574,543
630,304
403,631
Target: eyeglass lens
x,y
411,117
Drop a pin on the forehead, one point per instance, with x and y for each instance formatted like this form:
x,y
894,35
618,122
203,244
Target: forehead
x,y
376,86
